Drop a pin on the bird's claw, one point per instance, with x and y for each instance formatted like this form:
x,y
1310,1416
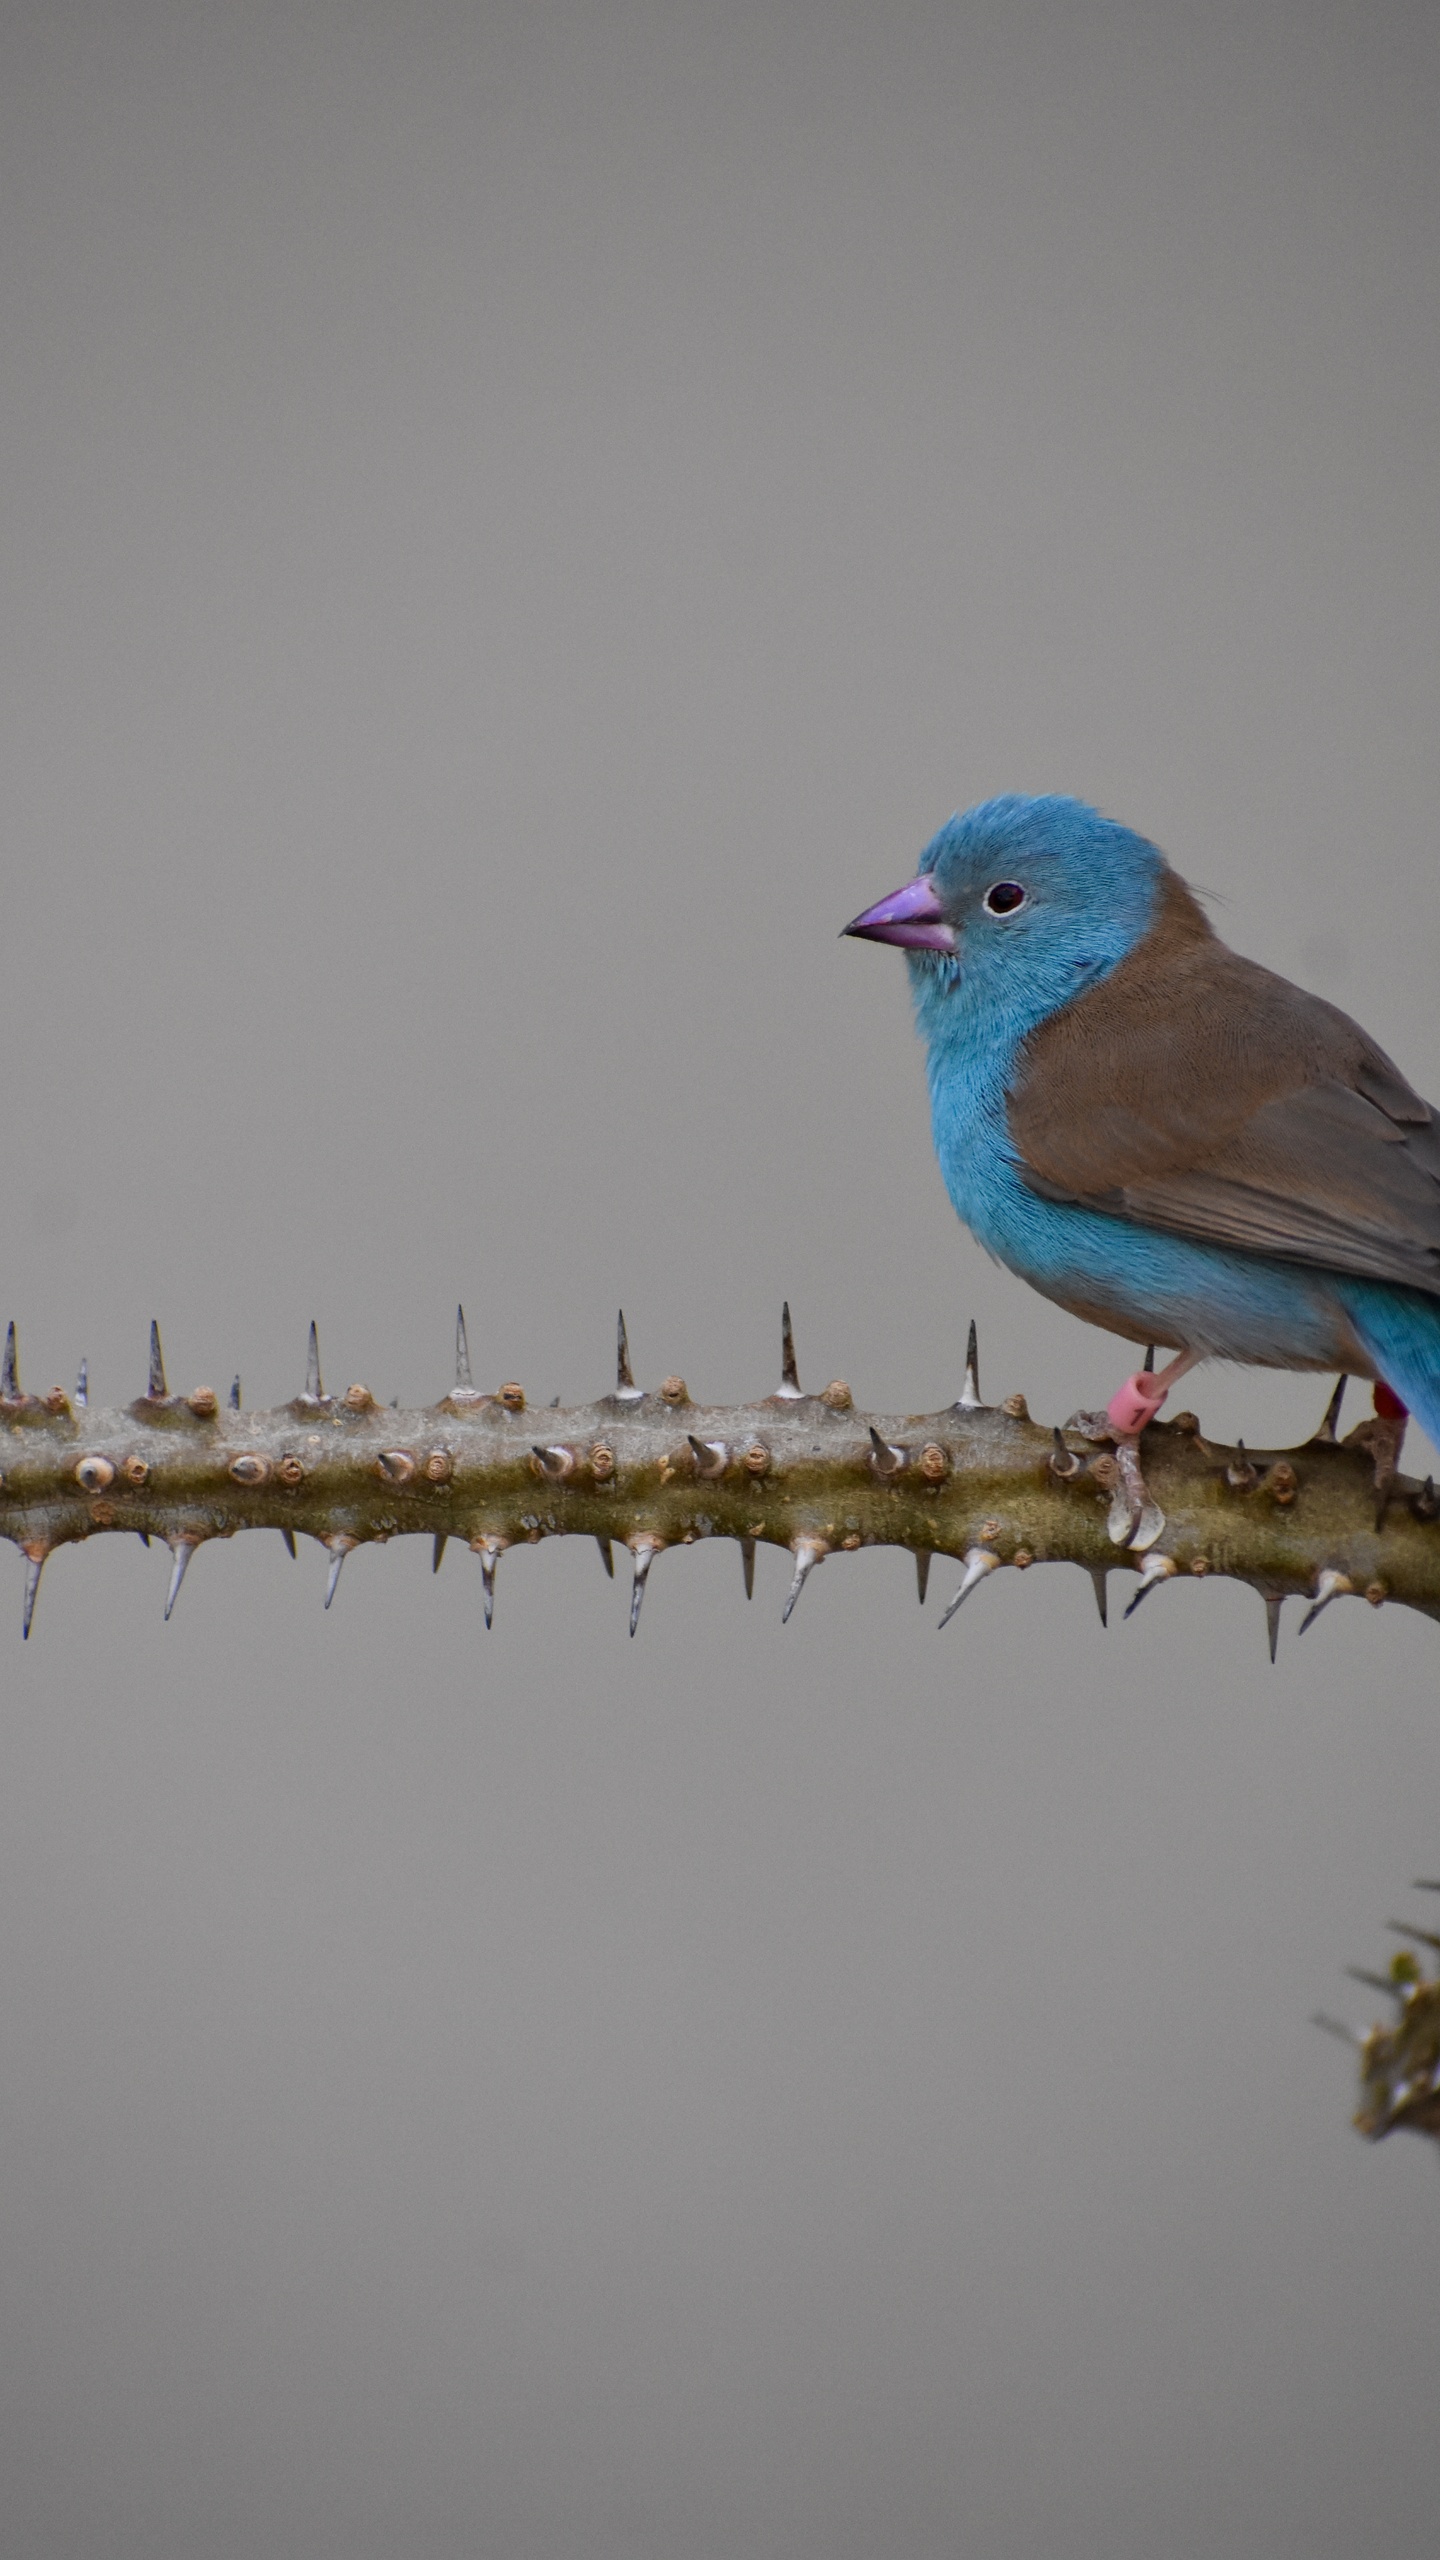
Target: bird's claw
x,y
1135,1520
1382,1437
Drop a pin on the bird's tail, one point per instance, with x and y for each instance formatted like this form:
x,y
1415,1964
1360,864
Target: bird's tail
x,y
1400,1328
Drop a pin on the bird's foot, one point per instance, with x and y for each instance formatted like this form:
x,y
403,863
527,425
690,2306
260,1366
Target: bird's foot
x,y
1092,1425
1382,1436
1136,1520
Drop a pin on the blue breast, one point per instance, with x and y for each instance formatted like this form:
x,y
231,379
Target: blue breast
x,y
1148,1285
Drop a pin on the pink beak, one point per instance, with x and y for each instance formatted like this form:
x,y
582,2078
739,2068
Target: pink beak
x,y
912,916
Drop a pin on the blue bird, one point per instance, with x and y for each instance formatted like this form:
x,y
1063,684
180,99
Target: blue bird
x,y
1162,1136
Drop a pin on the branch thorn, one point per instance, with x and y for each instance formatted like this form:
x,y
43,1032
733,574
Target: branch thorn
x,y
339,1550
1330,1420
34,1567
1329,1587
1064,1463
182,1549
643,1551
1154,1570
978,1562
789,1374
489,1551
808,1552
970,1392
157,1387
885,1458
624,1382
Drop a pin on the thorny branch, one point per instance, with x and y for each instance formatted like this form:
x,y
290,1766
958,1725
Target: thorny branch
x,y
1400,2063
652,1470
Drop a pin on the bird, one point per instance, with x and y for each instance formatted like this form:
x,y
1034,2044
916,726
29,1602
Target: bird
x,y
1162,1136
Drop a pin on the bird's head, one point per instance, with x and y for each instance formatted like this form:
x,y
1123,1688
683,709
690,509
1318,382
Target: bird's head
x,y
1017,906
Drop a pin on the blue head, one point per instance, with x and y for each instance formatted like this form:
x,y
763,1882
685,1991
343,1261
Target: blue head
x,y
1018,906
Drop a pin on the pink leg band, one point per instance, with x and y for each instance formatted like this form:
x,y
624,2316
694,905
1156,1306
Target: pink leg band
x,y
1135,1404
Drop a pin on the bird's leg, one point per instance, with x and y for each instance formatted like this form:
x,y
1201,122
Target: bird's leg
x,y
1382,1436
1135,1521
1139,1400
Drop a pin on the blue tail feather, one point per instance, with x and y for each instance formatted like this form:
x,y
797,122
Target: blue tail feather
x,y
1400,1328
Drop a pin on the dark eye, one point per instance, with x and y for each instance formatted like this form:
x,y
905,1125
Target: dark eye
x,y
1005,897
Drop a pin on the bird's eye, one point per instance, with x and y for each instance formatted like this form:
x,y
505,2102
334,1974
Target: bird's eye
x,y
1005,897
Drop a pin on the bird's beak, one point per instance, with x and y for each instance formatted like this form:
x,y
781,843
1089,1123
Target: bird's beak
x,y
912,916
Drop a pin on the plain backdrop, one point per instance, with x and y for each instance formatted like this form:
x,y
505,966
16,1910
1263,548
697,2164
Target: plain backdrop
x,y
518,520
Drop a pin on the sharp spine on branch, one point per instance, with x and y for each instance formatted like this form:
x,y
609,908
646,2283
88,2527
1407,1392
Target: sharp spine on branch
x,y
82,1384
462,1351
490,1551
923,1561
625,1387
789,1386
1063,1462
1155,1569
1330,1587
978,1562
10,1373
1098,1580
181,1549
1329,1430
808,1552
339,1549
289,1537
643,1553
34,1567
970,1393
235,1393
885,1458
1274,1603
747,1563
314,1392
157,1389
441,1543
607,1556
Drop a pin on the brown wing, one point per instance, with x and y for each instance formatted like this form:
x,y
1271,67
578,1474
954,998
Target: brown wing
x,y
1195,1091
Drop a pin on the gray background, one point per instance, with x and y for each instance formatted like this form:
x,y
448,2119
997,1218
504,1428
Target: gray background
x,y
517,523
